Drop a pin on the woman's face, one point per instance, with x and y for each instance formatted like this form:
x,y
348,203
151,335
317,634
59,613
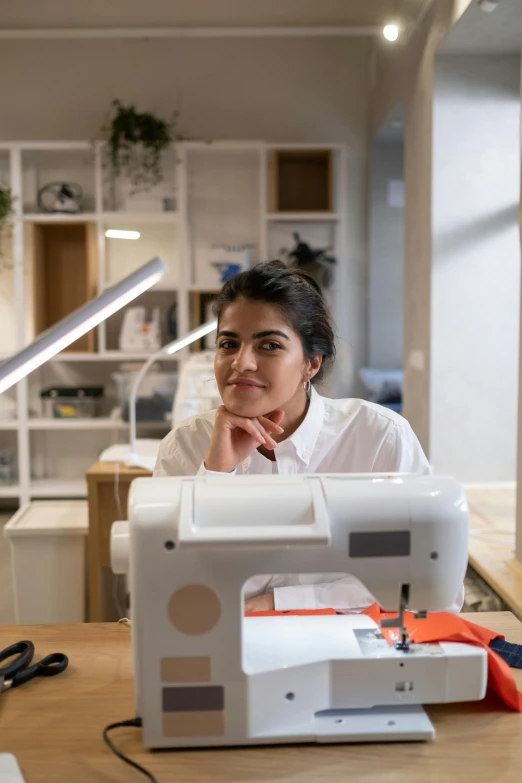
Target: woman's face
x,y
259,364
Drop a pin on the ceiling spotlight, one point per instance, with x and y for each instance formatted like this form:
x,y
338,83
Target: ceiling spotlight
x,y
390,32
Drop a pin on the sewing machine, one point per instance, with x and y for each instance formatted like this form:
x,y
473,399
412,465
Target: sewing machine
x,y
206,675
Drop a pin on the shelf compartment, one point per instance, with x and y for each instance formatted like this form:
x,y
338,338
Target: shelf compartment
x,y
64,274
167,301
201,312
41,167
123,256
302,180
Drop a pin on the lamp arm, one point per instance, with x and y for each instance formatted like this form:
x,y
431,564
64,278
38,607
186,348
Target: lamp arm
x,y
170,348
134,395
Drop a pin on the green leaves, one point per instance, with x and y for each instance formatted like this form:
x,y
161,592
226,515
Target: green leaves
x,y
6,204
135,143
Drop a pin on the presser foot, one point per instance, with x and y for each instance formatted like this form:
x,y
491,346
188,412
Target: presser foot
x,y
403,642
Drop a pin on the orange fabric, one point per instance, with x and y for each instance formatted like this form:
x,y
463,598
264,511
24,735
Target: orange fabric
x,y
300,612
443,627
446,627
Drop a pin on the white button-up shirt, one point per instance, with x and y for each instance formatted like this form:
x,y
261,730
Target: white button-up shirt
x,y
336,436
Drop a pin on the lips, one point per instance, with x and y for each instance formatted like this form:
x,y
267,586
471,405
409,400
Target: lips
x,y
245,383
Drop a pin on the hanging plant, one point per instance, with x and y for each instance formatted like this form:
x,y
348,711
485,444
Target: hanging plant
x,y
6,205
6,210
134,145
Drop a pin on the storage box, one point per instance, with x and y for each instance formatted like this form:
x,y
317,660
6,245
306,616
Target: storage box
x,y
47,541
71,402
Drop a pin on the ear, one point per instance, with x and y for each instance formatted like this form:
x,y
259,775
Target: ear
x,y
314,365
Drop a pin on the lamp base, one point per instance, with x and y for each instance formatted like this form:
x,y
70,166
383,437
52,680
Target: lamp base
x,y
144,456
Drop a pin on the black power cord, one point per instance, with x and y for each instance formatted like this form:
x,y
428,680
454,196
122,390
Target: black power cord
x,y
136,723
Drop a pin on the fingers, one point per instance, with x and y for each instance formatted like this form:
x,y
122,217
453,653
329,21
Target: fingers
x,y
251,426
268,440
260,428
269,425
276,416
254,428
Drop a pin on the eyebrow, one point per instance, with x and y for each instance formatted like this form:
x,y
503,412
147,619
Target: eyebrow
x,y
257,335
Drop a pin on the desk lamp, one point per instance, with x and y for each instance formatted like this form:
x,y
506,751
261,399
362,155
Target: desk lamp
x,y
169,349
128,453
82,320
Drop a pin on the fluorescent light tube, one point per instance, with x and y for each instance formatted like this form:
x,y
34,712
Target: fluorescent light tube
x,y
79,323
116,233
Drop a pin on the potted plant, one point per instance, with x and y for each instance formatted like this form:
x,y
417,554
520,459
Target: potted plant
x,y
6,205
6,210
135,142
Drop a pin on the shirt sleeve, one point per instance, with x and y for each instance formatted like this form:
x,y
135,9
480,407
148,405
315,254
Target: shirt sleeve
x,y
204,472
401,452
343,595
170,462
182,452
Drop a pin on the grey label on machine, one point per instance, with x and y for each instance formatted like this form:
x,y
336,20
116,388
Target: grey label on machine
x,y
384,543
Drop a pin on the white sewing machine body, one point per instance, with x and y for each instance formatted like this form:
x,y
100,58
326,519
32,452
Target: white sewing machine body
x,y
205,675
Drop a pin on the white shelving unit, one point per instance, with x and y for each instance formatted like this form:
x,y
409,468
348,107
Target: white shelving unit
x,y
221,193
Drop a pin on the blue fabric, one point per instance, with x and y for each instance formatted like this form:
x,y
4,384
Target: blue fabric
x,y
509,652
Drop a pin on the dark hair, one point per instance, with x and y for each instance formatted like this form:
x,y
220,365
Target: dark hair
x,y
298,298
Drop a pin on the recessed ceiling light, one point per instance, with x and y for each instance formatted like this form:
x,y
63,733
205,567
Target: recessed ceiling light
x,y
390,32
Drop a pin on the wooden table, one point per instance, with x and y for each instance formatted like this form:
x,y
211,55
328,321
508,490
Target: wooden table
x,y
54,728
492,511
108,485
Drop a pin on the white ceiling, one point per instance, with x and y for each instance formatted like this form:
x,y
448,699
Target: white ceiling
x,y
478,32
28,14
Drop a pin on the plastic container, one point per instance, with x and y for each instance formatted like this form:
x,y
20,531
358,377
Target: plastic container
x,y
155,395
7,467
71,402
47,541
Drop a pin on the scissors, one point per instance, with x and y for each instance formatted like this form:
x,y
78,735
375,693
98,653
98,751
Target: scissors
x,y
20,671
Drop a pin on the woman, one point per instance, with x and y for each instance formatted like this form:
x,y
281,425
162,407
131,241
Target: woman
x,y
274,343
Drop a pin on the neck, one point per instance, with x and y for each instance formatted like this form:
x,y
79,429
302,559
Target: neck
x,y
295,412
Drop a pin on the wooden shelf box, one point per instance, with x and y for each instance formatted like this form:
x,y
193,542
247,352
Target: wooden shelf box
x,y
65,272
199,314
303,180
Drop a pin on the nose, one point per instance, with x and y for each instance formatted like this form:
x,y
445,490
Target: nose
x,y
244,359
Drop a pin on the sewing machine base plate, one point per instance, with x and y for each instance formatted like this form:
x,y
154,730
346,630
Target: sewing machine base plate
x,y
378,724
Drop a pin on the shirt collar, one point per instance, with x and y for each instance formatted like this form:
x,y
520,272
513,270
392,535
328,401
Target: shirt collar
x,y
305,436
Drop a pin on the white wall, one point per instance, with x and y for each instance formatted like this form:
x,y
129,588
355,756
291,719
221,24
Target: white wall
x,y
386,258
277,90
476,267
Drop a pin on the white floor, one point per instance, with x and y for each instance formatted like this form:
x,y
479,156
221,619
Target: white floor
x,y
6,590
